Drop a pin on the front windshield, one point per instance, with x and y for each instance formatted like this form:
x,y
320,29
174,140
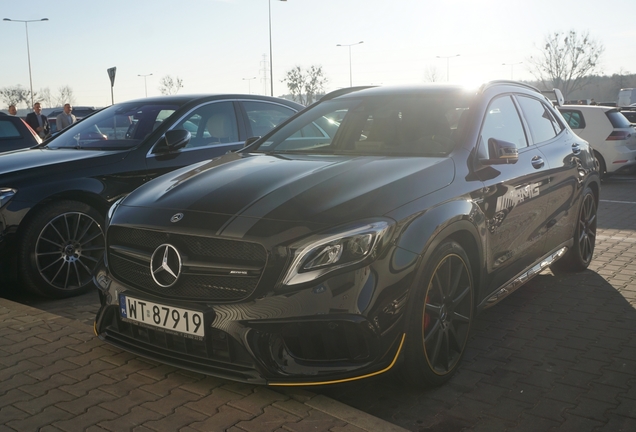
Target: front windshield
x,y
417,125
117,127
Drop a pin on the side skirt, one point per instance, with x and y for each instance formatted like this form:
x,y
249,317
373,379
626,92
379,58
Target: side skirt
x,y
521,279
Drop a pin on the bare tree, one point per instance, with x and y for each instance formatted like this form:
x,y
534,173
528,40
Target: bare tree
x,y
566,61
431,74
46,98
14,95
169,85
310,81
65,95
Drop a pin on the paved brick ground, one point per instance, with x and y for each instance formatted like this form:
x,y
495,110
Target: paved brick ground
x,y
55,375
557,355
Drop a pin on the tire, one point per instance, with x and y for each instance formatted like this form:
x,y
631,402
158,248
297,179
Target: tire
x,y
59,249
439,324
579,256
602,167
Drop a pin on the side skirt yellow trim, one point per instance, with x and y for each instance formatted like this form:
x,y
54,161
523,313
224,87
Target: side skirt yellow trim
x,y
345,379
95,328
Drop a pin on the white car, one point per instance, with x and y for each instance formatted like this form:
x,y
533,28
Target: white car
x,y
611,135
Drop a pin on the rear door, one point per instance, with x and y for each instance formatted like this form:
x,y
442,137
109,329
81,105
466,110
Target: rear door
x,y
562,150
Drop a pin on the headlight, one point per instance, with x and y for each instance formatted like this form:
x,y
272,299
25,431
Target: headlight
x,y
112,208
326,252
5,195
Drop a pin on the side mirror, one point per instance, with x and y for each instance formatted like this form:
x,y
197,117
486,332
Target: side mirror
x,y
177,138
501,152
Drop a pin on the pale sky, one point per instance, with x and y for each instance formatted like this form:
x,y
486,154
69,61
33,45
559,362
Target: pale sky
x,y
212,45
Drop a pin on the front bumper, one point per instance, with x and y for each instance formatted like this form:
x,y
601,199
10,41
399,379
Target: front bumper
x,y
312,336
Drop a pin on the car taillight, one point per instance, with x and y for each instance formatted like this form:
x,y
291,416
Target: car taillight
x,y
618,135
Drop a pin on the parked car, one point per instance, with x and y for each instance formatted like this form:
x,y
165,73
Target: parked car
x,y
318,256
53,199
630,114
611,135
78,111
16,134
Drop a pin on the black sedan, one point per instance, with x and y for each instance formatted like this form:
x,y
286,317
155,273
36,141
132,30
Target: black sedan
x,y
16,134
53,199
330,251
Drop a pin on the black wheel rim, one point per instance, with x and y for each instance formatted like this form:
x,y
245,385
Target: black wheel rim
x,y
448,312
587,228
67,250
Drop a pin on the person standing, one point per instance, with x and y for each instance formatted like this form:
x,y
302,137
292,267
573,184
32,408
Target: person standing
x,y
38,122
65,119
12,110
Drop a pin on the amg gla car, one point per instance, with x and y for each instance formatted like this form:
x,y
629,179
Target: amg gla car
x,y
54,198
329,251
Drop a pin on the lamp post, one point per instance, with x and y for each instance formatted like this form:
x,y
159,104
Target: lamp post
x,y
249,82
145,86
26,28
271,60
350,73
512,65
447,64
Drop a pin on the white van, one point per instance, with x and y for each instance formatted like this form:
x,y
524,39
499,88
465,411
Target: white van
x,y
626,97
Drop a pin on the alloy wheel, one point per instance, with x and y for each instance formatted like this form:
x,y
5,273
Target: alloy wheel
x,y
67,250
587,228
447,314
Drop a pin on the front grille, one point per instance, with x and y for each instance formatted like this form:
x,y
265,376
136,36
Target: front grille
x,y
206,265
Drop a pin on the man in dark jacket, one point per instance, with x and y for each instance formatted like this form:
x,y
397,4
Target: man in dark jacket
x,y
38,122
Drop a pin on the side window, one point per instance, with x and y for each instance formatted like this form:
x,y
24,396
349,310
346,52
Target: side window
x,y
8,130
575,119
264,116
211,124
543,125
502,122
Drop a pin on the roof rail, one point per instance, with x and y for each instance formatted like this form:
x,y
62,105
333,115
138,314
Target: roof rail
x,y
343,91
507,82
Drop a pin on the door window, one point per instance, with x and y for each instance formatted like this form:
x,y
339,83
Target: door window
x,y
502,123
543,125
211,124
264,116
8,130
574,118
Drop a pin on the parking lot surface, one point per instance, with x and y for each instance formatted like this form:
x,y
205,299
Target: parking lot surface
x,y
559,354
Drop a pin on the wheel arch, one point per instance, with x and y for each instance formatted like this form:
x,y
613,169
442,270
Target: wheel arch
x,y
431,231
92,199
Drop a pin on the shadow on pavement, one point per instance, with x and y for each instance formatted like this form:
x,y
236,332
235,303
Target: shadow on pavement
x,y
559,351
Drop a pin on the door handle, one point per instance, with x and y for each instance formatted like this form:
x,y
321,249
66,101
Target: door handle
x,y
576,149
537,162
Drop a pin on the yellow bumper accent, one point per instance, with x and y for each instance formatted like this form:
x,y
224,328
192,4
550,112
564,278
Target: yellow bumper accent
x,y
345,379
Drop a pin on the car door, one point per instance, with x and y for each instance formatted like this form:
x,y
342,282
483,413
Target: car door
x,y
514,200
562,150
217,127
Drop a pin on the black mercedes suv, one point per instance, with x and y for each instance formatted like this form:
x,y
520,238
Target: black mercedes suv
x,y
329,251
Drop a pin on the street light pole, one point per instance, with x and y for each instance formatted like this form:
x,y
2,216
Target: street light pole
x,y
249,82
271,60
448,64
26,28
145,86
512,65
350,73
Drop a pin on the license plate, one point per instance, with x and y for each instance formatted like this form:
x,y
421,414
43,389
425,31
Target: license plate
x,y
166,317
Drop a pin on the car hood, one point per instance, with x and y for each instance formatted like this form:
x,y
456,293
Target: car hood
x,y
320,190
46,160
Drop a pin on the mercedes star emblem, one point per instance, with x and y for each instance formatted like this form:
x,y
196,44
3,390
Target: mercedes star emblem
x,y
176,218
165,265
